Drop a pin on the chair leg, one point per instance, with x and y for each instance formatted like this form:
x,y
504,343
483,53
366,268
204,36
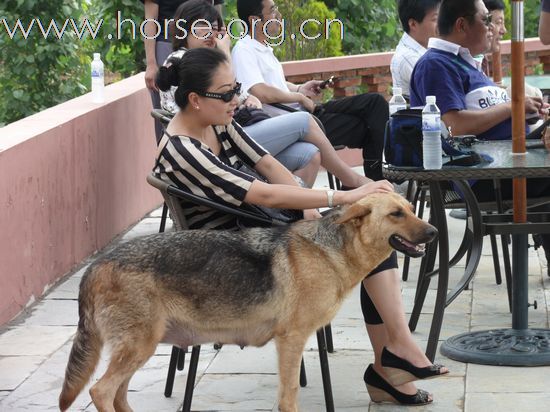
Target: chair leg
x,y
328,337
507,268
163,217
303,376
181,359
191,376
174,360
496,261
325,372
419,193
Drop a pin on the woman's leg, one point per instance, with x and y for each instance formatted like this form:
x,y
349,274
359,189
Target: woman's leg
x,y
330,159
385,291
308,173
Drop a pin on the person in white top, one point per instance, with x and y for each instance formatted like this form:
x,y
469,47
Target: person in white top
x,y
419,21
355,121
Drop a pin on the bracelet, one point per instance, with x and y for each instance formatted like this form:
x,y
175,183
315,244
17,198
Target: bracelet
x,y
330,197
298,89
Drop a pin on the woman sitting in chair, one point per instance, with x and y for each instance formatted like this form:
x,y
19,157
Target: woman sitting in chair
x,y
201,158
294,139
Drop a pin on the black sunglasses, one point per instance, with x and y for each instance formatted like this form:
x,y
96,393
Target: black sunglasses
x,y
226,97
486,19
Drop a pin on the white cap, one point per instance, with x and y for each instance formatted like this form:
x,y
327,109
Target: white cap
x,y
430,99
97,56
397,91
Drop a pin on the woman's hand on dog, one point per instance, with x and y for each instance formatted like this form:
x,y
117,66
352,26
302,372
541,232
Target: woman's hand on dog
x,y
311,214
380,186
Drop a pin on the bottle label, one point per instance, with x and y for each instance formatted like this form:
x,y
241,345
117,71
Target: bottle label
x,y
431,124
97,72
396,107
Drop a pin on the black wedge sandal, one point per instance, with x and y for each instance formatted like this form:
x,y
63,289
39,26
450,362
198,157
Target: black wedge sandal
x,y
400,371
381,391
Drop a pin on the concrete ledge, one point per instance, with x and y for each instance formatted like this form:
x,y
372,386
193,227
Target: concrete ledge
x,y
72,177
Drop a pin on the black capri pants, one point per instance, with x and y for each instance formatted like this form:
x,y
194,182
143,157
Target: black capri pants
x,y
370,314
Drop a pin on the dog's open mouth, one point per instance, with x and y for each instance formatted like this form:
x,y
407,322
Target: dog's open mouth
x,y
408,248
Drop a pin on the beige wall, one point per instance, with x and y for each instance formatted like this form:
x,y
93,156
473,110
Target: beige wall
x,y
71,178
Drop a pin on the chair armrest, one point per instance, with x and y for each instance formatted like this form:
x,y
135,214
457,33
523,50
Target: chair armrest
x,y
162,115
253,214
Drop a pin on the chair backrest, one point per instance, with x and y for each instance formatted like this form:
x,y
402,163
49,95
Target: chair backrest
x,y
174,205
173,196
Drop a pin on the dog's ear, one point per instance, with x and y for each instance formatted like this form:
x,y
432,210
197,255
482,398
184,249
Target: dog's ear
x,y
355,211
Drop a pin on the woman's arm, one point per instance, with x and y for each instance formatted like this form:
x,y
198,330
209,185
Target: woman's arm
x,y
294,197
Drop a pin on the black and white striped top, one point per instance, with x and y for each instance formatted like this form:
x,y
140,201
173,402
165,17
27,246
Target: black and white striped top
x,y
190,165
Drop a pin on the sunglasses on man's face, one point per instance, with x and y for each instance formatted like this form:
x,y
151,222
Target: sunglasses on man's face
x,y
487,19
226,97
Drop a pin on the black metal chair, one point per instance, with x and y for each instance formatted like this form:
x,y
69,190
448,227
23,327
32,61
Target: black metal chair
x,y
172,198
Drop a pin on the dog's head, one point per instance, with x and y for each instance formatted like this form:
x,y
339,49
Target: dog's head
x,y
389,218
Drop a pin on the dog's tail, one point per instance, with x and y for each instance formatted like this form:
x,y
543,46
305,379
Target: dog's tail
x,y
85,352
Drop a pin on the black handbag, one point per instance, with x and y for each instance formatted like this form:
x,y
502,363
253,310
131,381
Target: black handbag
x,y
279,215
247,116
403,143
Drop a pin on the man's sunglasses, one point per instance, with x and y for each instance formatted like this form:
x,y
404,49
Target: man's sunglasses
x,y
226,97
487,19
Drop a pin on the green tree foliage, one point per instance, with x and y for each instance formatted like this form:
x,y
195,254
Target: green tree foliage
x,y
294,14
305,38
36,73
123,53
370,26
531,18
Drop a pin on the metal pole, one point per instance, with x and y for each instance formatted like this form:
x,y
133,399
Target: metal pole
x,y
519,244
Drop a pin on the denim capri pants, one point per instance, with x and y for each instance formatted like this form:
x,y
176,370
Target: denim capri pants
x,y
282,136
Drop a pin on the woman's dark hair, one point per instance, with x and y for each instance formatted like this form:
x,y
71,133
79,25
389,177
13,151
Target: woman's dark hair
x,y
494,5
414,9
188,13
451,10
192,73
247,8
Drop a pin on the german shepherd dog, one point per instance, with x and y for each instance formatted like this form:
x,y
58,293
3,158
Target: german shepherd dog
x,y
243,287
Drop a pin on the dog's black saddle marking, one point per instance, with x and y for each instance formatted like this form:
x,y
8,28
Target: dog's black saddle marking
x,y
208,267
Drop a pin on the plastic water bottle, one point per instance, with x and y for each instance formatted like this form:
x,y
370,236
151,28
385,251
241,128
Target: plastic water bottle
x,y
98,83
397,101
431,135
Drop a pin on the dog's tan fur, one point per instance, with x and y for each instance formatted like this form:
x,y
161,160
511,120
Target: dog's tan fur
x,y
133,308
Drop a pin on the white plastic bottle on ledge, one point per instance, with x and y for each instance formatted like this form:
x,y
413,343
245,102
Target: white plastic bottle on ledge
x,y
397,101
98,82
431,135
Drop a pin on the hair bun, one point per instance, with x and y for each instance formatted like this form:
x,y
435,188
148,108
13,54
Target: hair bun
x,y
167,76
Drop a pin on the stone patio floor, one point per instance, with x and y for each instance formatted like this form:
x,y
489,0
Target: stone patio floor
x,y
34,349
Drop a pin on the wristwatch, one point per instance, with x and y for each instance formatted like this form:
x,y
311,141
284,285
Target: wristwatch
x,y
330,197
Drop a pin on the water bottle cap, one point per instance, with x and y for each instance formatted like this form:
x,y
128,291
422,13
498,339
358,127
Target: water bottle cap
x,y
397,91
97,56
430,99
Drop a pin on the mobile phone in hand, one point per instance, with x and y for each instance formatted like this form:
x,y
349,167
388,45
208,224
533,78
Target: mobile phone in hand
x,y
326,82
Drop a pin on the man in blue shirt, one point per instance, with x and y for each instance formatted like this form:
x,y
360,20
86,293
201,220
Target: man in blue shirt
x,y
469,101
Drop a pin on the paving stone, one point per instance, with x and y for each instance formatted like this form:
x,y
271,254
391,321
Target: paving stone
x,y
15,369
66,290
506,379
34,340
229,392
499,402
53,312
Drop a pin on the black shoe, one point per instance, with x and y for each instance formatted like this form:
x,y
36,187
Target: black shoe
x,y
381,391
400,371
